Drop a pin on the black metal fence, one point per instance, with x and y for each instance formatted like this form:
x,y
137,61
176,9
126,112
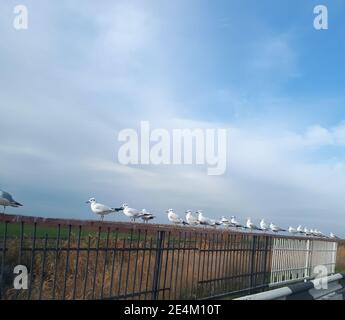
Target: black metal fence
x,y
92,260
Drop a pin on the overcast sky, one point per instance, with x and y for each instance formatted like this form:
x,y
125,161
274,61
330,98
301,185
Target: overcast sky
x,y
83,71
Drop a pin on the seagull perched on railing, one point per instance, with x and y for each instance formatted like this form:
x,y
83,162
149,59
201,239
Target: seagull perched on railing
x,y
235,223
333,236
131,212
300,229
275,228
250,225
202,219
174,218
306,231
146,216
215,223
101,209
191,220
6,200
263,225
292,230
225,222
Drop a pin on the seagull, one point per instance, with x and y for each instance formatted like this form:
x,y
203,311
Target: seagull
x,y
235,223
101,209
275,228
306,231
333,236
174,218
292,230
6,200
131,213
202,219
215,223
146,216
225,221
320,234
250,225
263,225
300,229
191,220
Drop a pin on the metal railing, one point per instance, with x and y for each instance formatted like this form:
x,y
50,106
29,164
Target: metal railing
x,y
295,259
77,259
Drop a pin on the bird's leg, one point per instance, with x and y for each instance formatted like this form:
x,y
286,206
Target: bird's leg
x,y
4,210
102,217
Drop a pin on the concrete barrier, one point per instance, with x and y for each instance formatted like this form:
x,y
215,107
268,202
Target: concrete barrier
x,y
333,289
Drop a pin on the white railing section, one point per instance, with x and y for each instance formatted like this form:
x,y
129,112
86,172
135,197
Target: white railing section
x,y
295,259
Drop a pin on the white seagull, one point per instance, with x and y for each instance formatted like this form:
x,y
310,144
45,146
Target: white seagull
x,y
306,231
131,212
250,225
191,220
300,229
235,223
174,218
146,216
292,230
6,200
333,236
263,225
101,209
202,219
225,221
275,228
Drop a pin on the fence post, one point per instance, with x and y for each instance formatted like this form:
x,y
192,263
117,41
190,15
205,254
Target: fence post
x,y
252,263
306,270
158,264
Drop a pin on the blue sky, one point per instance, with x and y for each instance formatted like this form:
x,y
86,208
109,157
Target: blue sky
x,y
82,72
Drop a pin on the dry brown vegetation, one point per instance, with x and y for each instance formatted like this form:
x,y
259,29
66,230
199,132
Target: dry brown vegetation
x,y
191,267
340,267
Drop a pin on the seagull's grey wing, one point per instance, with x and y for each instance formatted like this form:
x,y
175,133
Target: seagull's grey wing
x,y
6,195
102,207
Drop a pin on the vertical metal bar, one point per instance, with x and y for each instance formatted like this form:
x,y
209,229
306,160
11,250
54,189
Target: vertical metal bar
x,y
149,266
76,264
113,265
193,265
136,262
252,261
188,256
33,250
20,254
220,248
56,261
96,263
2,287
203,265
200,265
172,266
177,264
182,269
166,264
143,263
129,261
43,265
121,265
158,264
240,266
264,281
222,274
209,259
67,262
105,262
87,266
